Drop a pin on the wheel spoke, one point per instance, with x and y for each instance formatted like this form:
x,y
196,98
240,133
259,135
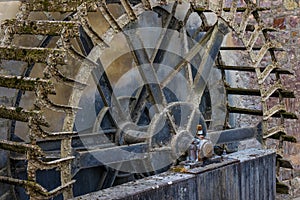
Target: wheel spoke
x,y
128,9
109,17
208,59
163,41
188,74
203,26
187,16
100,117
146,69
107,94
187,58
148,75
139,104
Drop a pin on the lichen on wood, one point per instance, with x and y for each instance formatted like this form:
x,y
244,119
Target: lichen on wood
x,y
256,92
20,147
287,138
32,54
26,83
21,115
60,5
54,28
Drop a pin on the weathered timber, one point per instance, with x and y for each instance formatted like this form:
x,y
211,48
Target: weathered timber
x,y
277,130
232,135
95,139
240,48
252,69
243,9
60,5
32,54
284,137
256,92
269,29
249,28
26,83
248,174
277,109
20,147
287,115
227,9
288,138
21,114
281,188
54,28
284,163
40,191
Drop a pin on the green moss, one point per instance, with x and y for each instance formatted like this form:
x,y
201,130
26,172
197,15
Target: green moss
x,y
45,4
19,109
64,79
26,28
200,9
289,138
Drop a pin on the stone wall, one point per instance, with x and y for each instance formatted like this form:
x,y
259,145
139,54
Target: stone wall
x,y
285,16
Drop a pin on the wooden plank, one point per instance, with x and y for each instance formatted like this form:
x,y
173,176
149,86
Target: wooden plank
x,y
32,54
241,48
251,69
286,115
20,147
42,27
256,92
227,9
281,188
26,83
243,9
60,5
21,114
284,163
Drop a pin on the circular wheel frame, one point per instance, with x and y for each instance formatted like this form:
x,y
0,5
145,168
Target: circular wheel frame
x,y
144,75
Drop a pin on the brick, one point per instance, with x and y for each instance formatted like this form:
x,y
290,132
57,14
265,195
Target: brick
x,y
276,3
293,21
279,23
